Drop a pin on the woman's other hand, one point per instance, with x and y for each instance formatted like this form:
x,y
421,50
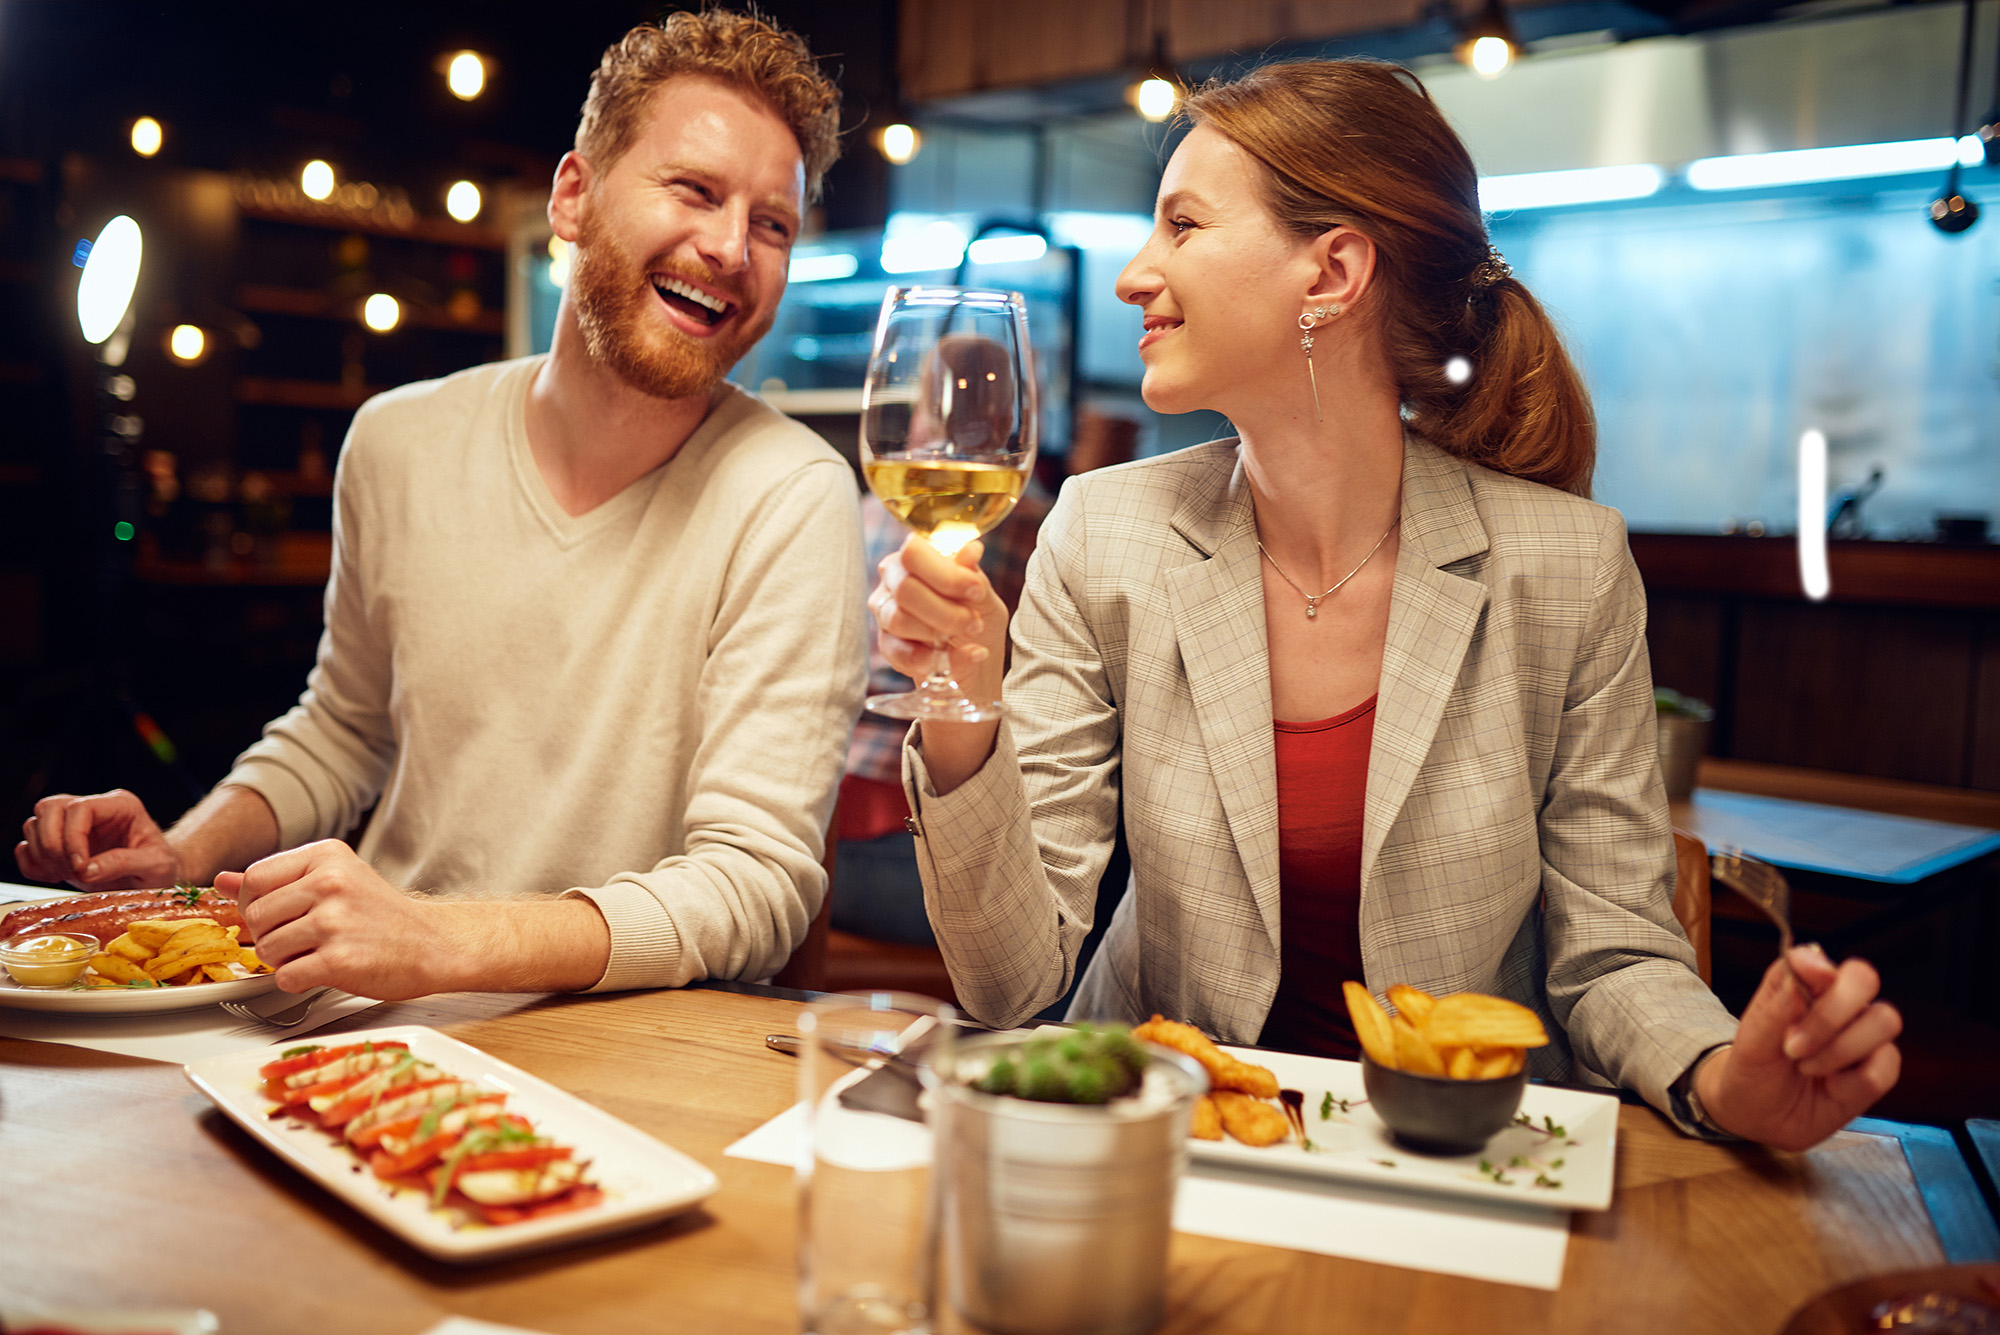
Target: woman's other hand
x,y
1803,1067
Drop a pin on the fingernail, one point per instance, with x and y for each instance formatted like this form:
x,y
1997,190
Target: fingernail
x,y
76,859
1817,949
1795,1044
91,870
979,653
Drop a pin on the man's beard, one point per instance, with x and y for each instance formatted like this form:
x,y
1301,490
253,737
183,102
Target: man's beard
x,y
612,298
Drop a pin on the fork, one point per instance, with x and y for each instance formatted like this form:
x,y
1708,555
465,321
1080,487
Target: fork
x,y
285,1017
1763,885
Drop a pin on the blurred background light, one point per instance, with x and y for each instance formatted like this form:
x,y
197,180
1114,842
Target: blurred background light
x,y
466,75
899,142
559,260
462,201
1748,171
937,245
1155,98
109,275
1584,185
1490,57
821,268
147,136
381,312
187,343
1007,249
316,179
1813,574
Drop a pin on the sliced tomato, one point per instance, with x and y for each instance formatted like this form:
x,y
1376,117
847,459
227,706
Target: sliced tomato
x,y
366,1136
415,1158
580,1197
306,1061
525,1157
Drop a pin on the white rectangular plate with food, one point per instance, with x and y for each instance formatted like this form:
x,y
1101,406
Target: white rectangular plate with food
x,y
1563,1160
642,1178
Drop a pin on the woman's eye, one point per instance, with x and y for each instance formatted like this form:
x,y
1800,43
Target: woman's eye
x,y
1179,225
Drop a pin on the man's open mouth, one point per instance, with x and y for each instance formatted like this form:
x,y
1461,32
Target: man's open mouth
x,y
691,301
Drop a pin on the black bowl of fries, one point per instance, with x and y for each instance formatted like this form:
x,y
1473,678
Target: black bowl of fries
x,y
1435,1114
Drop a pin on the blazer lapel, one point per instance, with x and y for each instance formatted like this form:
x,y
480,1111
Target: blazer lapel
x,y
1432,616
1218,611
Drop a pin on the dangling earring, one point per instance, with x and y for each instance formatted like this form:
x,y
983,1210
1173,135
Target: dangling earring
x,y
1308,322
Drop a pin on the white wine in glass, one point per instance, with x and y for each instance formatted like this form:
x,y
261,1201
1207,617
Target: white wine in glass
x,y
948,423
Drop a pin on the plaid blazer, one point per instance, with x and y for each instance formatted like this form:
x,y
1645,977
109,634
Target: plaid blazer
x,y
1515,829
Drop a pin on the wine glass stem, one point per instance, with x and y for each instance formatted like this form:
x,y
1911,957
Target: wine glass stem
x,y
940,680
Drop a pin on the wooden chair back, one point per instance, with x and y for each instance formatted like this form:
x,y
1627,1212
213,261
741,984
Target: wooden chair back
x,y
1691,892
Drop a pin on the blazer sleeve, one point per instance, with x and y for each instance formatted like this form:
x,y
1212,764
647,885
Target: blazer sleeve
x,y
1621,977
1011,858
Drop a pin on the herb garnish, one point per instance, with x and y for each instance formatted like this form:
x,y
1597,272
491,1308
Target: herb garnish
x,y
301,1050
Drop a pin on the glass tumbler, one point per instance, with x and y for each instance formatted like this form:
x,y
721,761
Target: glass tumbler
x,y
868,1209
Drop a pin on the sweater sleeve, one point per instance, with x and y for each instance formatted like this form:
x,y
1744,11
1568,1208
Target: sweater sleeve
x,y
323,763
778,696
1621,976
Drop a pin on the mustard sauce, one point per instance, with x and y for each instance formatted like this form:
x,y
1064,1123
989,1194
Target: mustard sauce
x,y
48,960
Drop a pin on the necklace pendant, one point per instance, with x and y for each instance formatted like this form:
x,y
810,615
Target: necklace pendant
x,y
1312,609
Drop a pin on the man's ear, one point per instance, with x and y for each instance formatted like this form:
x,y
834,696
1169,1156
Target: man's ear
x,y
1346,261
568,195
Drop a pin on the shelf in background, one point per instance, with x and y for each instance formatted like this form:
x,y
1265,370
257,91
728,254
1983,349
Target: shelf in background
x,y
297,560
330,394
438,230
1905,574
326,306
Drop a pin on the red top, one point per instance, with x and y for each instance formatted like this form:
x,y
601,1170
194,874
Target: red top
x,y
1322,783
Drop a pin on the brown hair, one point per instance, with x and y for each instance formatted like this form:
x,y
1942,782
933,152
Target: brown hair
x,y
1360,143
741,50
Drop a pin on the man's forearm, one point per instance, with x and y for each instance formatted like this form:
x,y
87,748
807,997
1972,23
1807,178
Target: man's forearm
x,y
560,945
226,831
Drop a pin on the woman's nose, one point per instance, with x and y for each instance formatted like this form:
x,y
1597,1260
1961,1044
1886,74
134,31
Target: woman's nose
x,y
1138,280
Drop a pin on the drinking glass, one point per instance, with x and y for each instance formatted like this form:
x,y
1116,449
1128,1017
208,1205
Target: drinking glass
x,y
868,1210
948,424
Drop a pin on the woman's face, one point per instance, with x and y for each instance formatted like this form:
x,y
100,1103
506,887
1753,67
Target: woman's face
x,y
1222,286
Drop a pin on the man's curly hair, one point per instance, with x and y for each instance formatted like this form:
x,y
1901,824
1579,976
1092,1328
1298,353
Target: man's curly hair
x,y
742,50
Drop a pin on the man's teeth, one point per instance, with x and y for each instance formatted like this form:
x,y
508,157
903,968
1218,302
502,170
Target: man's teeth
x,y
691,293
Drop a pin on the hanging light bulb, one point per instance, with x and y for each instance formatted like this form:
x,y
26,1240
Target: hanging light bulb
x,y
316,179
146,136
899,142
381,312
462,201
466,75
187,343
1158,89
1489,45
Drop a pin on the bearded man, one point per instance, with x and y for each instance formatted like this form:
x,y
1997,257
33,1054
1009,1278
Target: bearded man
x,y
593,646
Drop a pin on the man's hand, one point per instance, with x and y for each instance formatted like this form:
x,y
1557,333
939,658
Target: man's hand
x,y
106,841
323,916
1803,1067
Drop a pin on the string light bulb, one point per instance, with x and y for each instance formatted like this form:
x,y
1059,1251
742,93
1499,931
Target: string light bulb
x,y
462,201
899,142
187,343
316,179
466,75
147,136
381,312
1155,97
1489,45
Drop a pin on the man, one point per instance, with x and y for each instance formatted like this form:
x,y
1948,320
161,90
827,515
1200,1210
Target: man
x,y
593,628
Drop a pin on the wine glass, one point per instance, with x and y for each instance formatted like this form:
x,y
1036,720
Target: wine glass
x,y
947,439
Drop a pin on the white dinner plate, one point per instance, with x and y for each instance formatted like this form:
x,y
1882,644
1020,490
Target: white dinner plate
x,y
129,1000
1571,1170
643,1179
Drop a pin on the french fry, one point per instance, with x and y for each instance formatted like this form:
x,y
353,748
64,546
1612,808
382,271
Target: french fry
x,y
1414,1052
127,948
1413,1003
1497,1062
1469,1019
217,973
1460,1063
118,969
247,957
180,961
153,933
1371,1024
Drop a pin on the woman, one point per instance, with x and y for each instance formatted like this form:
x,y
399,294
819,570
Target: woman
x,y
1368,682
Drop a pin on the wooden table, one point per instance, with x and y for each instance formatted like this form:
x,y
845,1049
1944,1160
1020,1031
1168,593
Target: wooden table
x,y
120,1183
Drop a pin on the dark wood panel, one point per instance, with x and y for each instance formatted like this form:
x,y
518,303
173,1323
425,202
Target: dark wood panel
x,y
1907,574
1866,690
1985,765
1686,638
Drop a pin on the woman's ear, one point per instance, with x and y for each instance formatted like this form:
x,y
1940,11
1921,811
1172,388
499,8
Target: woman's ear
x,y
1345,259
566,195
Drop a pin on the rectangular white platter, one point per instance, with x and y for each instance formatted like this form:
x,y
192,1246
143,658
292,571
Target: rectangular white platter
x,y
643,1179
1352,1144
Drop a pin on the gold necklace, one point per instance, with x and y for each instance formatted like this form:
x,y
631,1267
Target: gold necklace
x,y
1313,599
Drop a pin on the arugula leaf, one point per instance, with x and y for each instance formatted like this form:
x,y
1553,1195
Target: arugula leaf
x,y
301,1050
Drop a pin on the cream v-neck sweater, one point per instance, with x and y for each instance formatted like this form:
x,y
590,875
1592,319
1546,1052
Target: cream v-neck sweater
x,y
647,704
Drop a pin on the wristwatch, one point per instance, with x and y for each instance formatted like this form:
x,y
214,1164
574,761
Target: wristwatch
x,y
1687,1101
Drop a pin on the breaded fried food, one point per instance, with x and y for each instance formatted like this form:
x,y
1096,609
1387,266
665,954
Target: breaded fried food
x,y
1252,1121
1224,1071
1207,1123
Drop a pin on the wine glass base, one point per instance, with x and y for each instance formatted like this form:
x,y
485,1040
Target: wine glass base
x,y
934,706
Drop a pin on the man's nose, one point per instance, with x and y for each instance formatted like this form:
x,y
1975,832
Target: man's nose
x,y
724,240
